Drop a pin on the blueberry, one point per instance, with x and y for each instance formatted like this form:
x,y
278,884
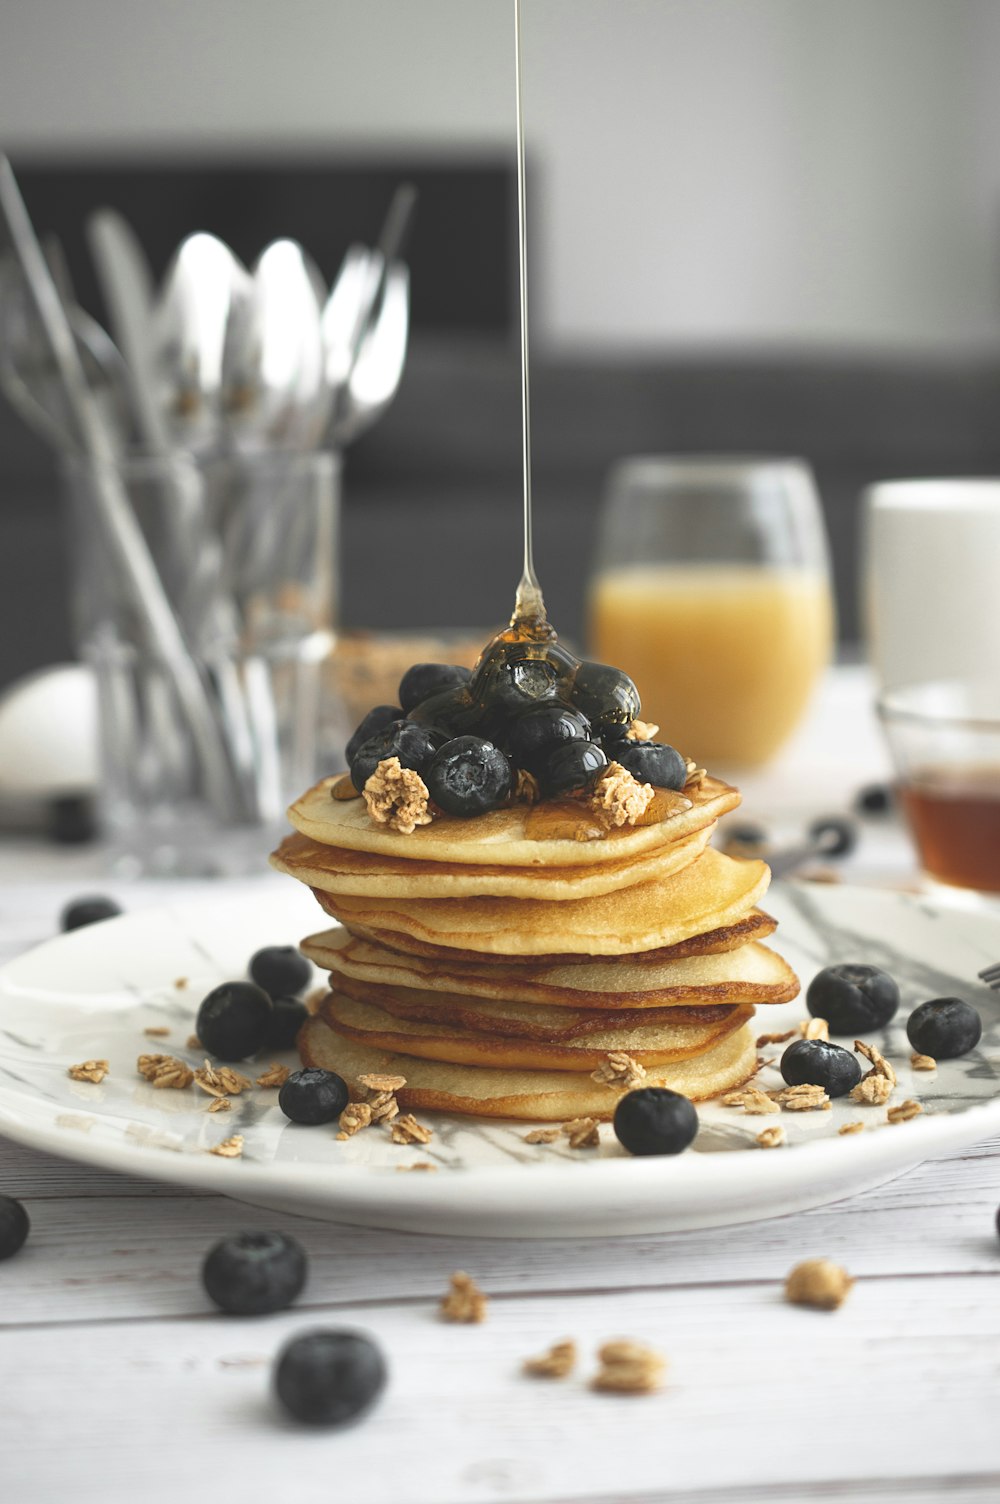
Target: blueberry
x,y
233,1020
513,676
945,1028
288,1015
874,799
606,695
816,1062
572,765
14,1226
653,762
281,970
426,679
535,734
451,713
469,776
254,1273
375,720
654,1120
853,999
313,1096
84,911
327,1377
833,836
414,746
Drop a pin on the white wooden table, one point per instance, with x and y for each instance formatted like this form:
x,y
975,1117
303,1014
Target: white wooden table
x,y
118,1382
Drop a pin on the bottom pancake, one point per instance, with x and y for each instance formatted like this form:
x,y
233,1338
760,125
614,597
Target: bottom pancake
x,y
532,1096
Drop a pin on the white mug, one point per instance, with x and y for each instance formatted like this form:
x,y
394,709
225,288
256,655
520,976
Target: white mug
x,y
931,579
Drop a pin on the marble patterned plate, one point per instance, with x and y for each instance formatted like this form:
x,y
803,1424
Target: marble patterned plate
x,y
92,994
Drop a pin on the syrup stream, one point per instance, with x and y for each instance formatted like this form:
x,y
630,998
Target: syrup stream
x,y
529,608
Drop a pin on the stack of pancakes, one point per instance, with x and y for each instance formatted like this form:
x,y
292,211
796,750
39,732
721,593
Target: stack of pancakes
x,y
497,962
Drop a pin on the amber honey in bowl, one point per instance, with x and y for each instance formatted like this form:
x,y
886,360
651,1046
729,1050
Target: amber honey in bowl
x,y
954,814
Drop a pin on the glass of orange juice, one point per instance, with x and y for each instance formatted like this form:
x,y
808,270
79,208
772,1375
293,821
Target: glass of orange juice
x,y
712,590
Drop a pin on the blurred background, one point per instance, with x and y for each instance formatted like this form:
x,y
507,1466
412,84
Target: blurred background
x,y
753,228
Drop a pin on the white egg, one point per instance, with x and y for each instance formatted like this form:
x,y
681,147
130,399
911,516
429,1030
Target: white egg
x,y
48,733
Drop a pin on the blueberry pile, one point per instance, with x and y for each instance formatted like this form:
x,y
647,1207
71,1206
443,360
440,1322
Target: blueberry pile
x,y
528,705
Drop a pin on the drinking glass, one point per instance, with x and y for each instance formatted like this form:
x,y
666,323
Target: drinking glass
x,y
711,588
245,549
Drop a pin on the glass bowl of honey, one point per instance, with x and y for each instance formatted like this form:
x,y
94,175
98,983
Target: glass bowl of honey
x,y
945,742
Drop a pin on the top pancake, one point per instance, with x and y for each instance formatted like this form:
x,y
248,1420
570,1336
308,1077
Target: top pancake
x,y
561,833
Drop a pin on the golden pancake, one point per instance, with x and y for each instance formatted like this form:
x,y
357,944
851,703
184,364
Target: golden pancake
x,y
335,869
649,1046
533,1096
560,833
750,973
715,890
521,1020
756,925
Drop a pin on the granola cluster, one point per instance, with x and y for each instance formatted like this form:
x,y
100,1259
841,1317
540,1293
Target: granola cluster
x,y
397,797
818,1283
619,1070
464,1302
619,797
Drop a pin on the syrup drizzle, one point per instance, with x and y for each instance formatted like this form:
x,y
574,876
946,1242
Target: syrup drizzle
x,y
529,616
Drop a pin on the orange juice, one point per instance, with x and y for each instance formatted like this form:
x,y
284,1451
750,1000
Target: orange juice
x,y
724,656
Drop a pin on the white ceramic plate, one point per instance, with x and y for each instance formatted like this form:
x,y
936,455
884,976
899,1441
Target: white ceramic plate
x,y
92,993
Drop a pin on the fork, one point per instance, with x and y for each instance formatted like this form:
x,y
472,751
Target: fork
x,y
991,976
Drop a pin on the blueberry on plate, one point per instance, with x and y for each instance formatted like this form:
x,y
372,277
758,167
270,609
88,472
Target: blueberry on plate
x,y
255,1273
655,1120
853,998
536,733
288,1014
469,777
570,766
605,695
327,1377
426,679
83,911
281,970
414,746
233,1020
313,1096
817,1062
653,762
376,720
14,1227
945,1028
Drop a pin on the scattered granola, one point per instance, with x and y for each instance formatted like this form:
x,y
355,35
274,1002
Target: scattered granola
x,y
418,1164
380,1084
230,1148
642,731
855,1127
695,776
814,1028
543,1135
181,983
275,1075
873,1090
464,1300
923,1063
355,1116
380,1096
771,1138
397,797
628,1368
903,1111
559,1361
219,1104
766,1039
165,1071
406,1130
221,1080
619,797
804,1098
89,1070
157,1031
818,1283
193,1042
315,997
619,1069
526,787
879,1064
582,1133
752,1100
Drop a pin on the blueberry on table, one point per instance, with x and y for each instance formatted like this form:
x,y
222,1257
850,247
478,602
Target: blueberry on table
x,y
414,746
571,766
426,679
653,762
536,733
376,720
655,1120
281,970
234,1019
14,1227
853,998
816,1062
288,1014
469,777
945,1028
874,799
606,695
328,1377
313,1096
255,1273
91,910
